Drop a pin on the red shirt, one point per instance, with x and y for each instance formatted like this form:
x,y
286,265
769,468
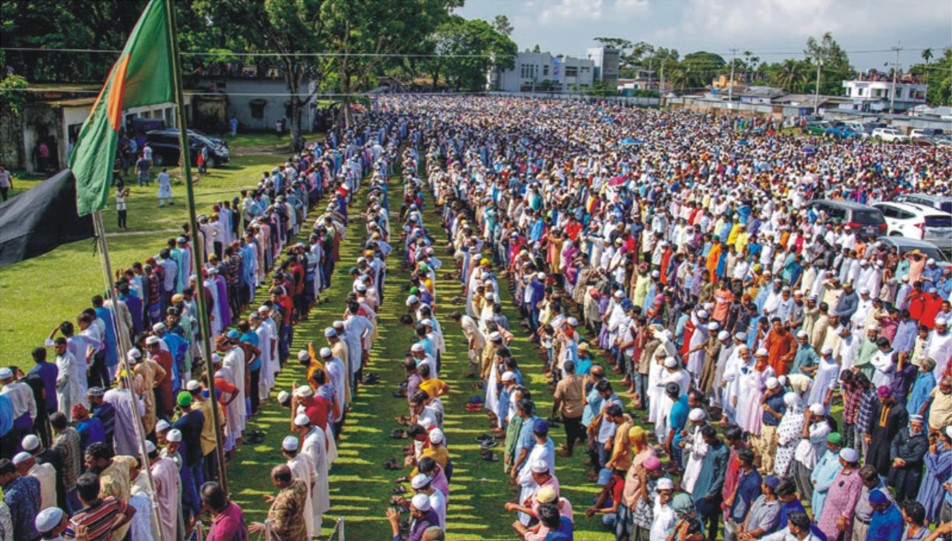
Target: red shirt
x,y
97,519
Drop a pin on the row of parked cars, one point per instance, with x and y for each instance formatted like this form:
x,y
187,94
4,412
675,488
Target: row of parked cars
x,y
877,132
910,221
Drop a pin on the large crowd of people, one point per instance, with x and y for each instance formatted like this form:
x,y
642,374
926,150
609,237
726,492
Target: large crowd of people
x,y
722,359
677,252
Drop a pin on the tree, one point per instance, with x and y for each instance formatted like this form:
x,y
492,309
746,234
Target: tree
x,y
614,43
927,55
466,50
835,63
700,68
502,25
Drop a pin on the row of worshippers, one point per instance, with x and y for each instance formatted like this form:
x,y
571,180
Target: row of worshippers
x,y
86,425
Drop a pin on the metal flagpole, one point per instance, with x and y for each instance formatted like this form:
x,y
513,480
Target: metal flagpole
x,y
185,160
121,341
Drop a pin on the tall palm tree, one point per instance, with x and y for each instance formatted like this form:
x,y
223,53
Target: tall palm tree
x,y
927,54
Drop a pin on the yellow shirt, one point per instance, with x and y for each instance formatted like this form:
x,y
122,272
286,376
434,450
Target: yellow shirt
x,y
208,428
433,387
339,350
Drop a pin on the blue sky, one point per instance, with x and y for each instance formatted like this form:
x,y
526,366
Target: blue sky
x,y
768,28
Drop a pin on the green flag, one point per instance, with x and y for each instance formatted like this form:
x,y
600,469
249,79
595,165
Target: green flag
x,y
141,76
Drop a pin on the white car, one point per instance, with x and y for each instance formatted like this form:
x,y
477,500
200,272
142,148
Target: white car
x,y
917,222
890,135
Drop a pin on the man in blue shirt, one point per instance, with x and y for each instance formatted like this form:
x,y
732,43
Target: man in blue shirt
x,y
677,419
710,482
886,524
47,373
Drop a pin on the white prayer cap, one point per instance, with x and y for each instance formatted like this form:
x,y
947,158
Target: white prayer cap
x,y
827,350
791,399
417,347
762,352
782,380
289,443
702,314
133,353
508,375
152,340
421,502
495,336
330,332
941,321
303,391
193,385
326,353
6,373
713,326
670,362
436,436
174,435
21,457
540,466
572,322
412,299
30,443
303,355
48,520
697,415
162,425
817,409
802,334
216,358
849,455
742,336
149,447
361,286
283,396
540,275
263,309
723,335
426,322
772,383
302,420
158,327
665,484
420,480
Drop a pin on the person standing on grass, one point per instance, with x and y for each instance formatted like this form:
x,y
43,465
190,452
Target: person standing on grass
x,y
6,182
121,214
142,171
165,187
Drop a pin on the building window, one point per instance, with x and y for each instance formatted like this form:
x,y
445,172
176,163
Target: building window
x,y
571,71
545,71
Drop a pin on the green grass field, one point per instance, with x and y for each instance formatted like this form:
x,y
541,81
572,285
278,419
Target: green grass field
x,y
39,293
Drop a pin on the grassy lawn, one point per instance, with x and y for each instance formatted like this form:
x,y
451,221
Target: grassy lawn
x,y
39,293
360,486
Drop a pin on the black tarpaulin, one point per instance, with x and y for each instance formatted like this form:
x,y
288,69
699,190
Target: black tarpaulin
x,y
40,219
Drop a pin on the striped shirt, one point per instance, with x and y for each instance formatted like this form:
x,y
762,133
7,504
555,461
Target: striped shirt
x,y
98,519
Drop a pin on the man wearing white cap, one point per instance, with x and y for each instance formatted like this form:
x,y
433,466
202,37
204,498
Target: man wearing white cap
x,y
340,350
149,373
939,345
50,523
423,484
422,518
165,475
268,347
314,447
27,466
21,396
302,468
825,378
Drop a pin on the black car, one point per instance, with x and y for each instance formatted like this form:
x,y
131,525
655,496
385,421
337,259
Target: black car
x,y
867,221
166,150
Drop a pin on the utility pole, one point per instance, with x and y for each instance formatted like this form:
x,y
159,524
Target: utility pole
x,y
816,91
730,83
661,87
892,93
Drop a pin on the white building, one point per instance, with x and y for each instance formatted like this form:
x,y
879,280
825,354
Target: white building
x,y
607,64
535,72
878,94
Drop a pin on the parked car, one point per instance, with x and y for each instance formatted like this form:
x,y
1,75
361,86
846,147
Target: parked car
x,y
904,245
166,150
938,202
927,133
866,221
917,222
889,135
817,127
841,131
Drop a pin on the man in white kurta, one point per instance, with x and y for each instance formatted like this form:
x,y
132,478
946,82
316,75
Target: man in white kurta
x,y
233,358
69,389
302,467
315,448
165,475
